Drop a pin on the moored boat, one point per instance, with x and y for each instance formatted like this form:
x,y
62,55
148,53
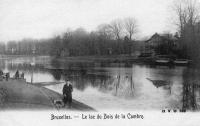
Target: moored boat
x,y
181,62
162,60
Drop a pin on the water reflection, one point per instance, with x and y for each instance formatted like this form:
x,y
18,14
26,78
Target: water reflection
x,y
115,85
56,73
191,89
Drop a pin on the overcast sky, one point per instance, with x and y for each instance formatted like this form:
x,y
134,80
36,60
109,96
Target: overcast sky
x,y
45,18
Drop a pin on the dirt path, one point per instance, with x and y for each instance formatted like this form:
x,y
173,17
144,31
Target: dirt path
x,y
17,94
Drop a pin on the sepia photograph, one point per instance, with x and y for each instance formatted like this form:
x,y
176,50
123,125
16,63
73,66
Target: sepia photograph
x,y
93,56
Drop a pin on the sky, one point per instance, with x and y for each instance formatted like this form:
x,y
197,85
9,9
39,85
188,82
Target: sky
x,y
45,18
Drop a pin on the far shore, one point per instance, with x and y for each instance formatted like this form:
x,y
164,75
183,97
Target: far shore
x,y
127,59
93,58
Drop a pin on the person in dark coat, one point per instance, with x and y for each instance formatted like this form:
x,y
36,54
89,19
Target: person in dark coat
x,y
22,75
1,73
7,76
17,74
67,93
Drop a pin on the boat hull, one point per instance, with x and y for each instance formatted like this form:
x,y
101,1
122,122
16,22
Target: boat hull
x,y
162,62
181,62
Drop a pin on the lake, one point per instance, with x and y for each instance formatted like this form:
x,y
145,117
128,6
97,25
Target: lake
x,y
114,86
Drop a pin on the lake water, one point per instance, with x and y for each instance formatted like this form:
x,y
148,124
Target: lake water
x,y
114,86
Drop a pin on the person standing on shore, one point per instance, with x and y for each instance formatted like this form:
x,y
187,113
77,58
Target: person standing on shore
x,y
67,94
17,75
1,72
22,75
7,76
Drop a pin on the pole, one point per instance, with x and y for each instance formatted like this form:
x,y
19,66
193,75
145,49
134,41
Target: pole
x,y
32,65
32,76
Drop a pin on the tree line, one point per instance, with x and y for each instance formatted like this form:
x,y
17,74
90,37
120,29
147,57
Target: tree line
x,y
113,38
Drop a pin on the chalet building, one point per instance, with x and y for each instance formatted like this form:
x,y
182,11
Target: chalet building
x,y
161,44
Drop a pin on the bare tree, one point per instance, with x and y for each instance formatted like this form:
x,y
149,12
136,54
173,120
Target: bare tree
x,y
187,13
187,18
116,28
130,26
67,33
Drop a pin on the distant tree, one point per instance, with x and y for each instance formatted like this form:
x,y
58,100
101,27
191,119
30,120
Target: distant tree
x,y
2,48
105,31
116,28
80,33
130,26
56,46
79,45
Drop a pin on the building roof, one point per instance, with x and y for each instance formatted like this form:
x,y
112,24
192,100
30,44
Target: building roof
x,y
169,37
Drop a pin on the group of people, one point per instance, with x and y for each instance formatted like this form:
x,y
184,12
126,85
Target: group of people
x,y
17,75
67,88
7,75
4,75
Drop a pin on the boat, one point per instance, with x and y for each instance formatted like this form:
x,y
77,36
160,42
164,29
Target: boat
x,y
163,60
181,62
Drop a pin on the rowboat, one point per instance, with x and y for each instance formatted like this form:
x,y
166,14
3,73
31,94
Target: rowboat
x,y
181,62
162,60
